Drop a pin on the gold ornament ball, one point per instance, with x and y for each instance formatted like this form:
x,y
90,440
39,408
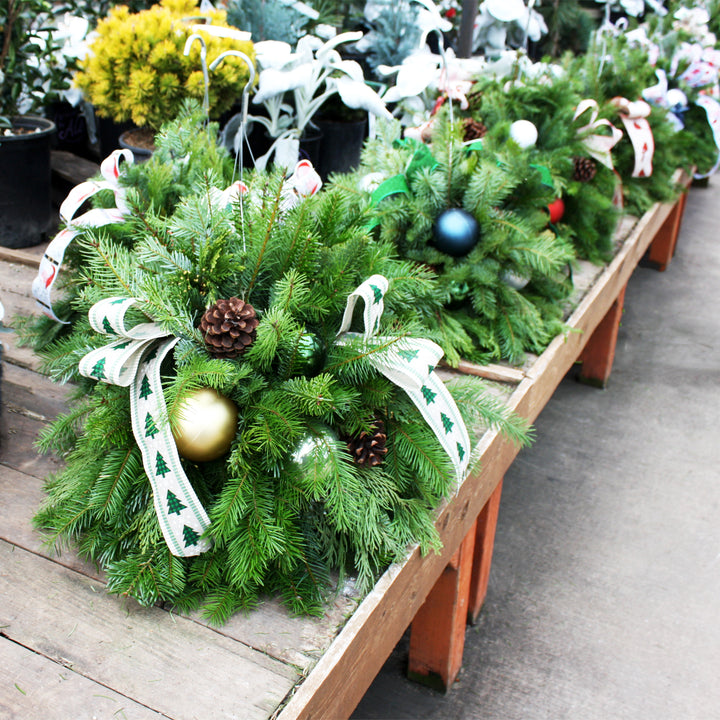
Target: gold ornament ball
x,y
206,426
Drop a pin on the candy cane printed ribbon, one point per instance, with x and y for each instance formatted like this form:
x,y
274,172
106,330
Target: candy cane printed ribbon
x,y
97,217
712,110
303,183
598,145
133,360
410,364
674,100
634,117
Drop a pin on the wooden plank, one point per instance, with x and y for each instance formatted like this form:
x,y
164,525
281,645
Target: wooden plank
x,y
19,429
598,354
72,168
482,555
269,629
34,393
437,636
21,496
22,257
170,664
15,288
497,373
662,248
30,686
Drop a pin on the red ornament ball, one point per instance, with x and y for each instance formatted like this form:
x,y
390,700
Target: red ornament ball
x,y
556,209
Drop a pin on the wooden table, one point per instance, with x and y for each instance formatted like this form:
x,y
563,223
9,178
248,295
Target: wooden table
x,y
70,650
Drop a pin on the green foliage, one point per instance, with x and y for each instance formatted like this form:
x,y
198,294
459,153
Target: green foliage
x,y
26,55
267,20
281,520
137,69
395,34
569,27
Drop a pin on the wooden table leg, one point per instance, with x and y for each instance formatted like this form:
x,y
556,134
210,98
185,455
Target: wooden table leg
x,y
662,248
482,557
599,352
437,636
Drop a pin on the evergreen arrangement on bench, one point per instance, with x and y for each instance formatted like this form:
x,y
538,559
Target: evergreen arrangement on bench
x,y
315,461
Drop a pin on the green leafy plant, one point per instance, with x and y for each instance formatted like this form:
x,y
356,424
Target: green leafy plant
x,y
27,56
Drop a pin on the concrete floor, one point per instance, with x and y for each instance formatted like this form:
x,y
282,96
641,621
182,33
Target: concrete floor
x,y
604,597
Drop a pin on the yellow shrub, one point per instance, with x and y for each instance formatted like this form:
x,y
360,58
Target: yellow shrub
x,y
137,71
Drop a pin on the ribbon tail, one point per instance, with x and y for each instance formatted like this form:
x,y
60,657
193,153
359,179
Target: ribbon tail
x,y
442,415
412,368
181,516
712,110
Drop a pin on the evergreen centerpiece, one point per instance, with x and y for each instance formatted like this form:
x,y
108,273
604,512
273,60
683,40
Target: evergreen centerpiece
x,y
586,186
474,217
288,501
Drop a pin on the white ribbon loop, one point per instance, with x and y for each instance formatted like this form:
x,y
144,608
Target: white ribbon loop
x,y
634,117
410,364
712,110
675,100
96,217
133,361
598,145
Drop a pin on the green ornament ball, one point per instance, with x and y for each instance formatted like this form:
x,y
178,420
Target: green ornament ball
x,y
309,355
458,292
314,448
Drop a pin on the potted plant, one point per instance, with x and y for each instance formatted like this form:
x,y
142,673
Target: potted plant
x,y
294,85
25,207
137,70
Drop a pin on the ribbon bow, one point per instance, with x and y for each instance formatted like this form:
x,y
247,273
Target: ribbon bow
x,y
634,117
97,217
410,364
674,100
712,110
133,360
598,146
303,182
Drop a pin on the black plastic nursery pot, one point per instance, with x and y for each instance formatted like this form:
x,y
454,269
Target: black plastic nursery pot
x,y
140,141
26,213
71,133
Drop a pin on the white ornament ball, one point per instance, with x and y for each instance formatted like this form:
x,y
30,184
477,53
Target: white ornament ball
x,y
524,133
676,99
371,181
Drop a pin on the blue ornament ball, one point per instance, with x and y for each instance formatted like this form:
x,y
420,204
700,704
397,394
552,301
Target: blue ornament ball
x,y
456,232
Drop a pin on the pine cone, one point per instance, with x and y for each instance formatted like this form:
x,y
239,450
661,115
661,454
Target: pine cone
x,y
473,129
585,169
228,327
369,448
